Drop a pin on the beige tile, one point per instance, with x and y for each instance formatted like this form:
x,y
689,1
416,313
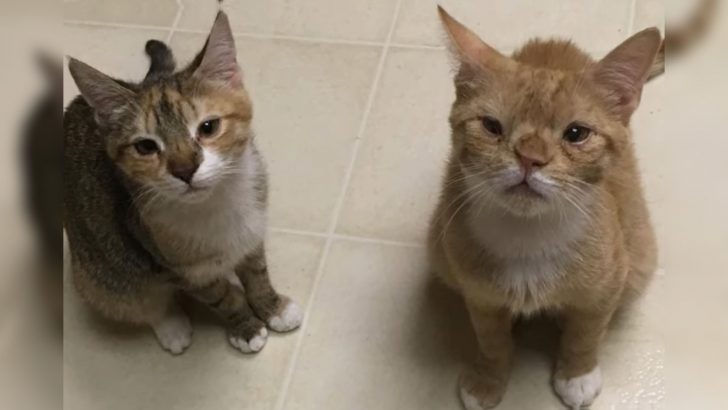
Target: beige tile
x,y
118,52
109,367
155,13
684,161
399,341
361,20
634,376
596,25
681,156
649,13
396,181
309,100
380,335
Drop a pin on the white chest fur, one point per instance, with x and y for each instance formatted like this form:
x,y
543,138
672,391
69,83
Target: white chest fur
x,y
205,240
530,256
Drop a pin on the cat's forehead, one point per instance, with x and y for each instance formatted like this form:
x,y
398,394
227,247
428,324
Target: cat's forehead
x,y
167,108
540,96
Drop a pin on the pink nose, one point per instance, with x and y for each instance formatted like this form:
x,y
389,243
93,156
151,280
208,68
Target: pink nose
x,y
530,162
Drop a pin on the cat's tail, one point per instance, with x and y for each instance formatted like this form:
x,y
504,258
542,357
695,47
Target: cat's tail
x,y
679,40
162,60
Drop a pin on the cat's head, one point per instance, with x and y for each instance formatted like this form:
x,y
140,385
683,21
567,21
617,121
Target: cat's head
x,y
539,130
177,135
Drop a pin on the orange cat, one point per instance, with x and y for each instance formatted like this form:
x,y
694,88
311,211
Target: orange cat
x,y
542,208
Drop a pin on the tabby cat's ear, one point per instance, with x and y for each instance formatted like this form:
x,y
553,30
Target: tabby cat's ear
x,y
468,48
218,62
107,97
622,73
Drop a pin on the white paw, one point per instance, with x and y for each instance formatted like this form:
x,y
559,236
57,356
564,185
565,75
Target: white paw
x,y
252,346
470,402
174,333
580,391
289,319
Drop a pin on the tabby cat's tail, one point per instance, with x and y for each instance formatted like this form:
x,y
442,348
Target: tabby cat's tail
x,y
162,60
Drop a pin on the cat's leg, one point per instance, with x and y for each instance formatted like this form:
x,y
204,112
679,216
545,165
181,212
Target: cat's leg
x,y
279,312
577,376
483,385
245,331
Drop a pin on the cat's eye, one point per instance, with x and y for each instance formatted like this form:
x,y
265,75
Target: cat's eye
x,y
146,147
576,134
493,126
208,128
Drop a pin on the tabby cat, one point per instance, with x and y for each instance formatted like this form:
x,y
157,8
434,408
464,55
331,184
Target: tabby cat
x,y
542,208
165,193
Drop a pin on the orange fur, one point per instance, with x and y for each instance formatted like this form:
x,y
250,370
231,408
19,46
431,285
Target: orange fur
x,y
574,237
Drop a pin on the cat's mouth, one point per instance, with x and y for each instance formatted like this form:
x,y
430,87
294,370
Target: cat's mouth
x,y
195,190
523,188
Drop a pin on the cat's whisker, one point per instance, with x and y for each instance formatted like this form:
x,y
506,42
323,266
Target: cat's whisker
x,y
468,197
459,196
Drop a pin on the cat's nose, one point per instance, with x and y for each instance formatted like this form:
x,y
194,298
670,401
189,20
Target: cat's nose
x,y
532,151
185,172
529,162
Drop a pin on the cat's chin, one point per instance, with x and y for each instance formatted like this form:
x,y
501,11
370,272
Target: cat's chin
x,y
524,202
192,195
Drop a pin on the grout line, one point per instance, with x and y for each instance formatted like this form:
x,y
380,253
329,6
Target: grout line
x,y
376,241
285,387
417,46
298,232
301,39
350,238
177,18
114,25
632,17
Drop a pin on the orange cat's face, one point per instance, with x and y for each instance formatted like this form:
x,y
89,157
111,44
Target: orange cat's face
x,y
538,131
532,139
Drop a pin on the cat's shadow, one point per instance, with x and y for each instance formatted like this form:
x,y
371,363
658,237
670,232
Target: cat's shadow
x,y
443,310
443,335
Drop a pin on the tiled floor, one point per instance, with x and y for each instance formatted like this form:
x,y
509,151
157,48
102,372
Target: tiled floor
x,y
352,99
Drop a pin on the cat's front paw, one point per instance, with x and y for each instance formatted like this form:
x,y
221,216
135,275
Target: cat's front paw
x,y
288,317
580,391
479,391
249,336
174,333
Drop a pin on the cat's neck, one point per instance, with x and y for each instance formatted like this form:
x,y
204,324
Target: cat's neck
x,y
510,236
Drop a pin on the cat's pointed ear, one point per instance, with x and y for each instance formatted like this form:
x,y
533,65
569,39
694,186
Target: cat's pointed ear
x,y
105,95
467,47
218,60
623,72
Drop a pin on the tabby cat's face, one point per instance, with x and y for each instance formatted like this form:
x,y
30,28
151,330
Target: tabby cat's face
x,y
177,135
187,136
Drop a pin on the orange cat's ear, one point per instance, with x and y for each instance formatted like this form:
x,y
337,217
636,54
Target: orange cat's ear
x,y
623,72
468,47
218,61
